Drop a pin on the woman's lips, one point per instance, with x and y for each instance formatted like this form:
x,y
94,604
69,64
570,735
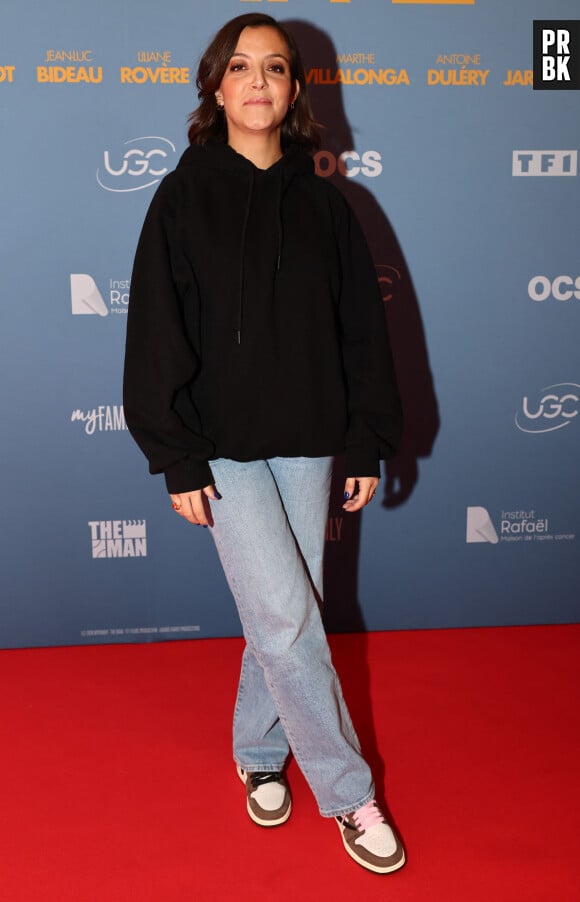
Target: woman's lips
x,y
257,101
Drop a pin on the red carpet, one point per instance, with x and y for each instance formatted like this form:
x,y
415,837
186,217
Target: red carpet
x,y
111,755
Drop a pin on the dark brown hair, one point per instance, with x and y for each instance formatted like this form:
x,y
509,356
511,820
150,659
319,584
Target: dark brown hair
x,y
207,121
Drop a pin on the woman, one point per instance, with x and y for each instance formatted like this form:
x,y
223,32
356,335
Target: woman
x,y
257,350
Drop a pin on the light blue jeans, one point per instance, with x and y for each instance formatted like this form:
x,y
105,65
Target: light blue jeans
x,y
269,531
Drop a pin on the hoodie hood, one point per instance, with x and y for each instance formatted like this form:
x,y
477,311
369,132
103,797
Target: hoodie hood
x,y
215,154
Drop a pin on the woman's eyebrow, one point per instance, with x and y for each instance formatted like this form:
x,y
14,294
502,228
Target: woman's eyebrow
x,y
268,56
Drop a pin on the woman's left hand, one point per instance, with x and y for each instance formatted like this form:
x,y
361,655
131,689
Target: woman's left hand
x,y
359,490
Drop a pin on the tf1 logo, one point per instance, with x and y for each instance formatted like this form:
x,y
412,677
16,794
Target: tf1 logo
x,y
544,162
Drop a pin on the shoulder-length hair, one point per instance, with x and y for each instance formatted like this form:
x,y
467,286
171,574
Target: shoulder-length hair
x,y
207,121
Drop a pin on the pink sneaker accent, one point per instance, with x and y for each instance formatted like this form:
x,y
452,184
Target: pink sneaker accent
x,y
367,816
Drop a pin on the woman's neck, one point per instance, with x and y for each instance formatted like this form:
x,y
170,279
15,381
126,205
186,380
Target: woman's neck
x,y
262,151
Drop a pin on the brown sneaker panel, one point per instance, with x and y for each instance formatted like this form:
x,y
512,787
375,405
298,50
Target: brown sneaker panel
x,y
269,818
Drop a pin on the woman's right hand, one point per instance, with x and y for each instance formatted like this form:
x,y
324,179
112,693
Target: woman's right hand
x,y
193,506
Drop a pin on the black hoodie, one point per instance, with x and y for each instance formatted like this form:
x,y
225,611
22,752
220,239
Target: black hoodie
x,y
255,328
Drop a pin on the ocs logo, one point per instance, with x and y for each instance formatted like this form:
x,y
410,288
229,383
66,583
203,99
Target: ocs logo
x,y
562,288
349,163
389,280
556,408
142,165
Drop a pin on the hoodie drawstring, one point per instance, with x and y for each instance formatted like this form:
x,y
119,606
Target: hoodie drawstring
x,y
280,230
242,257
281,186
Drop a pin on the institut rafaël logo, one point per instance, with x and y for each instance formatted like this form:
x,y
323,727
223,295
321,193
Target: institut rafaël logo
x,y
87,299
118,538
479,526
553,407
544,162
512,526
103,418
138,163
559,288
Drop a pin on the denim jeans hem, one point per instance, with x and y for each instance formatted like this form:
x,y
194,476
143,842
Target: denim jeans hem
x,y
340,812
257,769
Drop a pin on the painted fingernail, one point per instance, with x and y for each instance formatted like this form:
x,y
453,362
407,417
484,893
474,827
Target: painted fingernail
x,y
346,496
217,495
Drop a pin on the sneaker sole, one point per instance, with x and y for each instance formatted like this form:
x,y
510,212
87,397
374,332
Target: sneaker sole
x,y
366,864
254,816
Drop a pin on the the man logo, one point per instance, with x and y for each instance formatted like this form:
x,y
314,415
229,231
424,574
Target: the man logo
x,y
118,538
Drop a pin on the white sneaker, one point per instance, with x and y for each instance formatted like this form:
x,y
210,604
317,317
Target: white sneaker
x,y
267,797
370,841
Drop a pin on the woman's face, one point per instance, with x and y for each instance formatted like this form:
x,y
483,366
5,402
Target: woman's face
x,y
257,88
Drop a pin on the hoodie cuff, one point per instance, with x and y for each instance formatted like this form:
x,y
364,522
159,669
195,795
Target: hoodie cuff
x,y
188,475
362,462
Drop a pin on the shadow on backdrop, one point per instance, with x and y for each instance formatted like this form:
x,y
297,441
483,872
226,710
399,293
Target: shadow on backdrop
x,y
342,611
405,325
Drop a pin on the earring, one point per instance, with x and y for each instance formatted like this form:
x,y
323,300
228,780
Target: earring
x,y
219,104
291,107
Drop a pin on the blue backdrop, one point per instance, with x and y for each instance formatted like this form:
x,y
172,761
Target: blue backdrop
x,y
465,180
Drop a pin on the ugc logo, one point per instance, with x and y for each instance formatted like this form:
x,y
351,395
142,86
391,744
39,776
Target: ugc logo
x,y
140,166
555,408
